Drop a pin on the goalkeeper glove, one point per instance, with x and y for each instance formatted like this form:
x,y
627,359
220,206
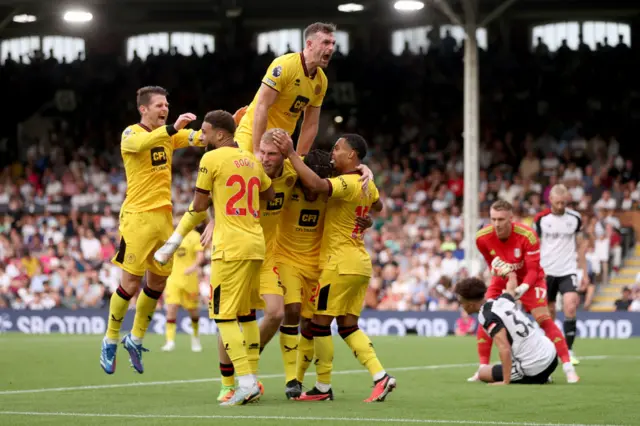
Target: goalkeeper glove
x,y
501,268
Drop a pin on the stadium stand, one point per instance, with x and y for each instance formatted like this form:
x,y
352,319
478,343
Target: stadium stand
x,y
546,118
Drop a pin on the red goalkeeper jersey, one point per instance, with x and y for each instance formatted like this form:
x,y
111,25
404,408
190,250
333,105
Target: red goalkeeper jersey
x,y
521,249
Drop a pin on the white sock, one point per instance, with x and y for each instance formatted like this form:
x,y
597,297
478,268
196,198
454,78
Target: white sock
x,y
379,375
323,387
567,367
247,381
111,341
136,340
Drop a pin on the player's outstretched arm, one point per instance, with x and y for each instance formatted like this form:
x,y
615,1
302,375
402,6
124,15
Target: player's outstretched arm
x,y
266,98
308,130
269,194
140,142
504,350
307,176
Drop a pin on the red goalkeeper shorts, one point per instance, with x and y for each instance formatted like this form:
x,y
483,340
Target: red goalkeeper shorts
x,y
535,297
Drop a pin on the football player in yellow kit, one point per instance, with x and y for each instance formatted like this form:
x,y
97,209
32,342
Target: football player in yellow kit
x,y
294,83
145,219
183,289
346,268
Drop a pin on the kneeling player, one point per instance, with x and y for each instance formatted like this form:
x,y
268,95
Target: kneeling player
x,y
513,248
183,289
527,355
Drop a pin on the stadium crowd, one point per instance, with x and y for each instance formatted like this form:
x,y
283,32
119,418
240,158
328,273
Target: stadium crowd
x,y
544,122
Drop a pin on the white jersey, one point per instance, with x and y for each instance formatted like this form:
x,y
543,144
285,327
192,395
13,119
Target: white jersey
x,y
557,233
531,350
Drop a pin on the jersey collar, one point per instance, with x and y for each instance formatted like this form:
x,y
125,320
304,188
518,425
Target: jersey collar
x,y
305,69
144,127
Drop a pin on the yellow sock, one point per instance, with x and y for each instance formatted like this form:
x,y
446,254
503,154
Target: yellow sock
x,y
170,330
118,306
195,325
190,220
323,344
227,373
146,306
251,333
305,354
233,342
362,348
289,349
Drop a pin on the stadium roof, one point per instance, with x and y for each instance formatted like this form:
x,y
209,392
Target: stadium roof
x,y
149,15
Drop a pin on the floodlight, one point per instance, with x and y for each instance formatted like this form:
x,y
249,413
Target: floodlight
x,y
350,7
76,16
24,18
408,5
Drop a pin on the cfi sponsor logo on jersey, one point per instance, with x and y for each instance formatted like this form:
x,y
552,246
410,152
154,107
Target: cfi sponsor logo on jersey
x,y
517,252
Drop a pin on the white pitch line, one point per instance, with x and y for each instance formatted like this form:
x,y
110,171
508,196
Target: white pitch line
x,y
216,379
290,418
266,376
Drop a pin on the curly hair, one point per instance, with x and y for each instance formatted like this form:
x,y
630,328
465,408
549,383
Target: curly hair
x,y
472,289
320,162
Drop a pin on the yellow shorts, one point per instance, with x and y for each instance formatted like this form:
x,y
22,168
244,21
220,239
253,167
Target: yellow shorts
x,y
141,234
233,283
182,291
244,140
340,294
299,287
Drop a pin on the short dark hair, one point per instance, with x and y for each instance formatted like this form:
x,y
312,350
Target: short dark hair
x,y
320,162
144,94
357,143
220,119
472,289
319,27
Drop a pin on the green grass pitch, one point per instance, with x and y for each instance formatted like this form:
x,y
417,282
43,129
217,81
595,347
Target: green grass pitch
x,y
57,380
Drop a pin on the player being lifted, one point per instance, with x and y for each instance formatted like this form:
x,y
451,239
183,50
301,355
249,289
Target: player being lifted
x,y
347,269
527,356
145,219
183,289
237,181
513,248
294,83
559,231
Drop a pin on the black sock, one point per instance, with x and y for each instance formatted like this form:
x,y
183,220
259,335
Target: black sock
x,y
570,331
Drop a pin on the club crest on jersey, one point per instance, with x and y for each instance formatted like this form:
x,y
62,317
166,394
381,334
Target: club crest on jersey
x,y
277,71
318,89
516,252
290,181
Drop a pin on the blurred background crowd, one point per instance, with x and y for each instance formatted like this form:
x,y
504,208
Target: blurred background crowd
x,y
547,118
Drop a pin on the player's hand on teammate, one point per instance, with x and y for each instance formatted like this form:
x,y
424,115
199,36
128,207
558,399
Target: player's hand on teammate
x,y
237,116
207,235
364,222
366,176
284,142
183,120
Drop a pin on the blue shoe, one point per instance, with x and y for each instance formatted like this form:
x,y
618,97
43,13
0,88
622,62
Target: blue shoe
x,y
135,353
108,357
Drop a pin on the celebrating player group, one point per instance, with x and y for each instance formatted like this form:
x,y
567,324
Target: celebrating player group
x,y
287,238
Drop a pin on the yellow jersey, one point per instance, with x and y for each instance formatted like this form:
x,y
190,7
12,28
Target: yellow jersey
x,y
288,75
147,157
301,229
236,178
271,211
186,255
342,242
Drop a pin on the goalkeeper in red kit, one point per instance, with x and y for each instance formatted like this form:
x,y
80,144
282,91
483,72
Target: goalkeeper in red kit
x,y
512,251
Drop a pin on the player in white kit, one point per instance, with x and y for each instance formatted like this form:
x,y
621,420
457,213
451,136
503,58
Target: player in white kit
x,y
527,355
559,231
